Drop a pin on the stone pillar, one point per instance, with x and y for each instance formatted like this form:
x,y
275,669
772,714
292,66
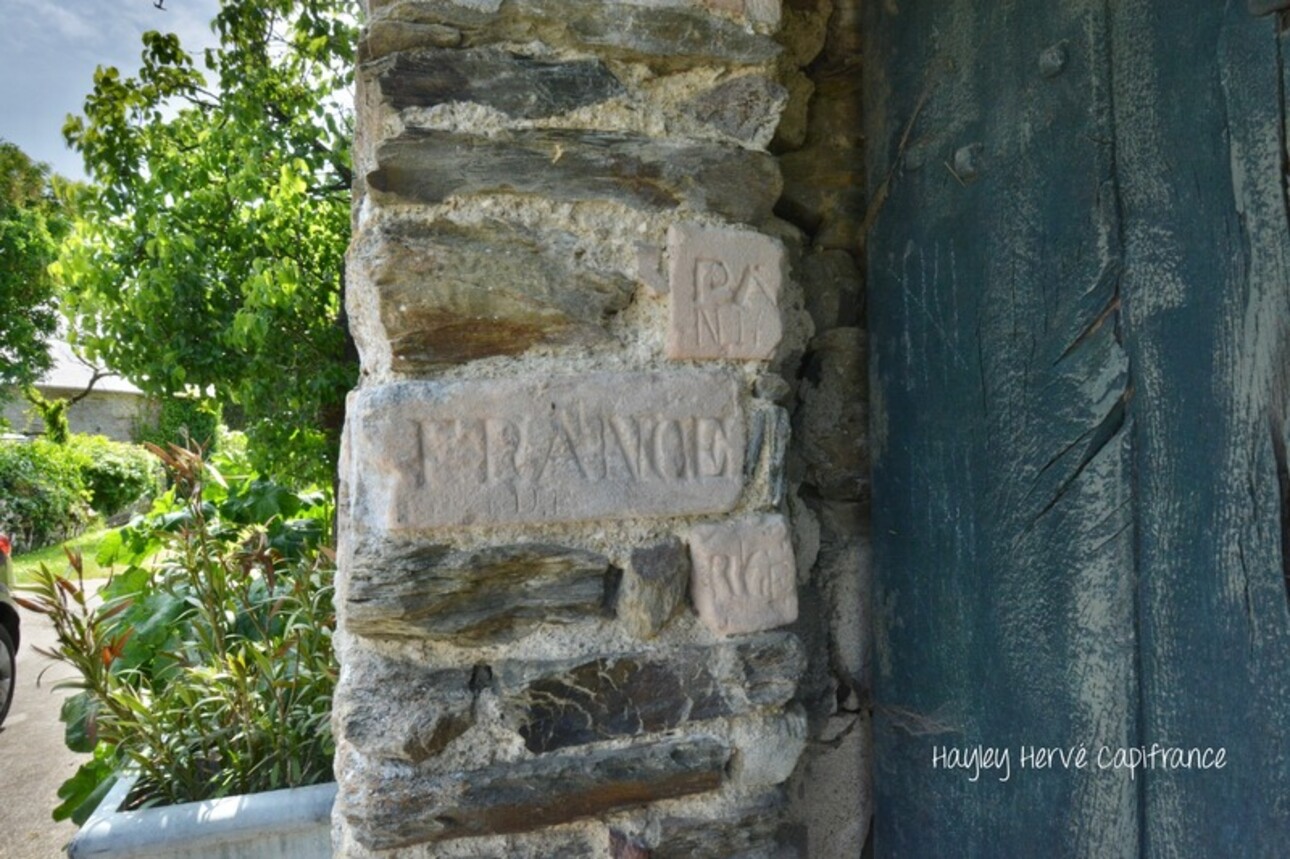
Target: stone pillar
x,y
571,545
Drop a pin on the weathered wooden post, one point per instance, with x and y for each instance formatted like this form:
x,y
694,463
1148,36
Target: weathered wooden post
x,y
1079,301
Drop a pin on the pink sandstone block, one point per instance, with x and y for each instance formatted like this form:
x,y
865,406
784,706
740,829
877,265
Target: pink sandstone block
x,y
725,286
562,449
743,574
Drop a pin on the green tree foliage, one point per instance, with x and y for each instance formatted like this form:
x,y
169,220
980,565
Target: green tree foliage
x,y
210,253
43,494
32,220
182,421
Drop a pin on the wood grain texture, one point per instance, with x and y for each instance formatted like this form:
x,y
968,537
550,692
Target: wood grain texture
x,y
1078,304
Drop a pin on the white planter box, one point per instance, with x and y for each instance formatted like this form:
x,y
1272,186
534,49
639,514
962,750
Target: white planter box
x,y
280,824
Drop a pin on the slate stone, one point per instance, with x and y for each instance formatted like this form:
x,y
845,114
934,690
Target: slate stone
x,y
684,33
397,805
771,666
382,38
653,587
429,166
757,828
831,421
456,13
399,710
834,289
624,846
556,706
481,595
518,86
447,293
681,31
771,431
746,108
616,697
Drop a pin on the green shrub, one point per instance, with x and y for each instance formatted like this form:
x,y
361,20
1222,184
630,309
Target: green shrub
x,y
116,474
231,454
43,494
182,421
208,666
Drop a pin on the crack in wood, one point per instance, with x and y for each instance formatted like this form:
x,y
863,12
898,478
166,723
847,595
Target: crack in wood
x,y
1277,430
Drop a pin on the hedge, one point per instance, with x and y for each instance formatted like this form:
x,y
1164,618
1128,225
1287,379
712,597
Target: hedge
x,y
50,492
43,496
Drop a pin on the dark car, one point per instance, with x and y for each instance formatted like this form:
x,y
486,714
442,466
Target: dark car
x,y
8,628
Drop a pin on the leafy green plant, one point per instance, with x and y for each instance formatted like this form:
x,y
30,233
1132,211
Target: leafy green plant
x,y
43,494
116,474
182,421
207,667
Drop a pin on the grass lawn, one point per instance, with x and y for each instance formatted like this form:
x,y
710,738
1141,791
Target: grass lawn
x,y
26,564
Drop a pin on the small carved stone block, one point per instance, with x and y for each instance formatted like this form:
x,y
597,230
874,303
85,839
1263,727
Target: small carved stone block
x,y
743,575
725,287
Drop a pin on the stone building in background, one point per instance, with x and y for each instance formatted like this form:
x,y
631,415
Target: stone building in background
x,y
113,407
604,484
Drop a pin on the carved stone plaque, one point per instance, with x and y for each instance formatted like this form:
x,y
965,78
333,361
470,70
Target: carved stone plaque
x,y
725,287
599,446
743,575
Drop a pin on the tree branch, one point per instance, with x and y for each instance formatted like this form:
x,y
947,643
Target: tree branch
x,y
96,373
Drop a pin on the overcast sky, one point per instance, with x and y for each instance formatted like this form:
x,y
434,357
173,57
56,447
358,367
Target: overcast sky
x,y
50,48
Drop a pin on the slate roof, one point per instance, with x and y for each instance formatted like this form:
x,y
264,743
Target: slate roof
x,y
69,374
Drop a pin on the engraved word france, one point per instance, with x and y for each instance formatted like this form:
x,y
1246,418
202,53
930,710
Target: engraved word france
x,y
743,575
604,445
725,287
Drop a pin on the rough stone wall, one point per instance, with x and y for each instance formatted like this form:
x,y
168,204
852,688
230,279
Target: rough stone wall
x,y
602,491
112,414
820,150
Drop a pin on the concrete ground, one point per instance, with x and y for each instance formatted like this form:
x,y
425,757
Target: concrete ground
x,y
33,759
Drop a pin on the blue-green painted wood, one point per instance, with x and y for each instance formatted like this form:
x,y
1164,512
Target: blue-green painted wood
x,y
1079,306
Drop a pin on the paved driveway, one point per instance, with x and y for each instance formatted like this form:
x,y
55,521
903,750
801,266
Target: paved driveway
x,y
33,759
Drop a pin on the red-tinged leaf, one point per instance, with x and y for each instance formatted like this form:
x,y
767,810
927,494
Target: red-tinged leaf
x,y
118,645
29,605
112,612
74,558
157,452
